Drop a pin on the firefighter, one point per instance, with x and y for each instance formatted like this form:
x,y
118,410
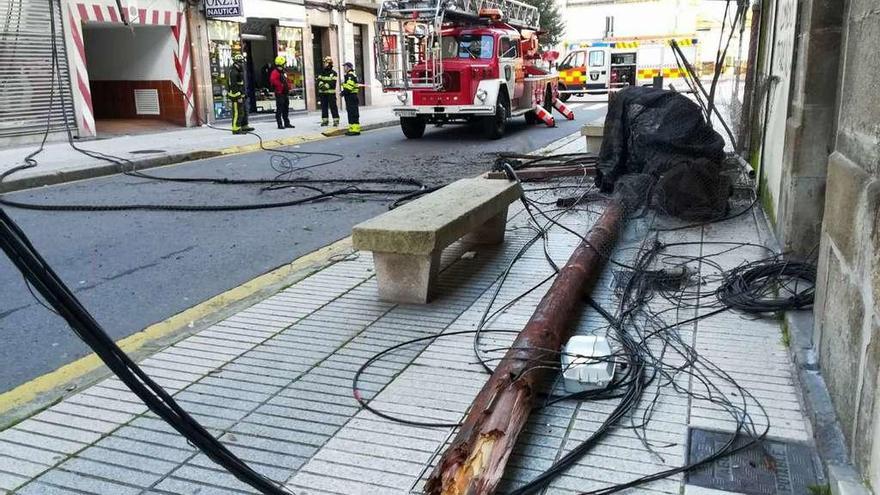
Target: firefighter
x,y
281,88
327,93
350,94
235,93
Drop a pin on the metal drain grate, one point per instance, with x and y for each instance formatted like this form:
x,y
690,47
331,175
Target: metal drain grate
x,y
773,467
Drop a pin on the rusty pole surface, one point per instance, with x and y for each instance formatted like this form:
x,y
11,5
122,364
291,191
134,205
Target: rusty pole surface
x,y
474,463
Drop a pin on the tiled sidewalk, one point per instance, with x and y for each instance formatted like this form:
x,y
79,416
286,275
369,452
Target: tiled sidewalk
x,y
274,383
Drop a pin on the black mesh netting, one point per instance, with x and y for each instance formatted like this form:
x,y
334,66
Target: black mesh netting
x,y
662,134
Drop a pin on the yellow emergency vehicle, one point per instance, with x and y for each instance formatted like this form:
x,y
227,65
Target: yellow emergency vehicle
x,y
602,65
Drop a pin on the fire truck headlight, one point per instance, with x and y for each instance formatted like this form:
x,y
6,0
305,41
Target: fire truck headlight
x,y
402,96
482,94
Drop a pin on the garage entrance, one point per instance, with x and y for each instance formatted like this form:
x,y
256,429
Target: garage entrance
x,y
132,77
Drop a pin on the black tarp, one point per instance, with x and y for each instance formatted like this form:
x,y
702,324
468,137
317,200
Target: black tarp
x,y
664,135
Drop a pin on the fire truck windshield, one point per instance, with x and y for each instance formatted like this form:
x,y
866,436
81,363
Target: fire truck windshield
x,y
468,46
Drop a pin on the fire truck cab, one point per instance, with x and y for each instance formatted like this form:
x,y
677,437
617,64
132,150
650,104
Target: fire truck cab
x,y
463,67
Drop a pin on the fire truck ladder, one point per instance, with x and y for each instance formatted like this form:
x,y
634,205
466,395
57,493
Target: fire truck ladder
x,y
408,36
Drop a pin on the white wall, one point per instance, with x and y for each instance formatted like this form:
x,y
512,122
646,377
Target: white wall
x,y
659,17
118,54
375,94
778,72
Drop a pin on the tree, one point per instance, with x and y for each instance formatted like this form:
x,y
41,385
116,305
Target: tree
x,y
551,21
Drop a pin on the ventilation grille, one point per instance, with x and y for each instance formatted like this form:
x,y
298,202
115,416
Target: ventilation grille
x,y
146,101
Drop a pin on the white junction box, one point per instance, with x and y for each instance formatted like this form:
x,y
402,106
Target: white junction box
x,y
587,363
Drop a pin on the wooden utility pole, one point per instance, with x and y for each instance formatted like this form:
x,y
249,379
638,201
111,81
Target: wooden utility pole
x,y
474,463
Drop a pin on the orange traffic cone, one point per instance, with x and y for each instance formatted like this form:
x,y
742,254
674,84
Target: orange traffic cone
x,y
564,110
545,116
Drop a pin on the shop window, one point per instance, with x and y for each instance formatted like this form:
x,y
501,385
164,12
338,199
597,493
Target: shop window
x,y
290,46
223,42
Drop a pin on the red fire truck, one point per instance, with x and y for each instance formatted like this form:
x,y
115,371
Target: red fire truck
x,y
462,61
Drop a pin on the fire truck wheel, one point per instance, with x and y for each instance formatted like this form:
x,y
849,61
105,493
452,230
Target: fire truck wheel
x,y
413,127
563,96
494,126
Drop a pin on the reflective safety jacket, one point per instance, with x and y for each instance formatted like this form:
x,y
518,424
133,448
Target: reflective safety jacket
x,y
235,82
327,81
350,83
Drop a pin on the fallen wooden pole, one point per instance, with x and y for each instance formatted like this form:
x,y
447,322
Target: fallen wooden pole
x,y
474,463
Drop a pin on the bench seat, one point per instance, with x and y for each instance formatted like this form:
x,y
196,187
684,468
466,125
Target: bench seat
x,y
407,242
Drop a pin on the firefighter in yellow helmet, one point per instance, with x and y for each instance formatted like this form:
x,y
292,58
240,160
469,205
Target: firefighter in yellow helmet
x,y
281,88
350,94
327,93
235,93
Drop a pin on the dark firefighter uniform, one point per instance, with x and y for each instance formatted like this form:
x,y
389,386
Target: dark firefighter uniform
x,y
350,94
280,86
235,93
327,92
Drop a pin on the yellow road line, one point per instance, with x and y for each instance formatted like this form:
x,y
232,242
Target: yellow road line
x,y
272,143
49,387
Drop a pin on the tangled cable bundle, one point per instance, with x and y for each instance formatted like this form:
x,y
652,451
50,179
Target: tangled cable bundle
x,y
768,286
650,345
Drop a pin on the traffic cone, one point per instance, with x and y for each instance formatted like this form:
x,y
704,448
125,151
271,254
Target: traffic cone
x,y
545,116
564,110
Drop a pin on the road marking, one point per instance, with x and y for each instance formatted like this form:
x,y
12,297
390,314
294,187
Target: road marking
x,y
44,390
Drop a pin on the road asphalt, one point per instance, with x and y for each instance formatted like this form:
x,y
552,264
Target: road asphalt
x,y
134,268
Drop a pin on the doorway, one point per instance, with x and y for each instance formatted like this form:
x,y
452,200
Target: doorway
x,y
320,38
360,32
258,40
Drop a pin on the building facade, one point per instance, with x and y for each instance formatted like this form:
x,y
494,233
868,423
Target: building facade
x,y
68,63
815,142
71,65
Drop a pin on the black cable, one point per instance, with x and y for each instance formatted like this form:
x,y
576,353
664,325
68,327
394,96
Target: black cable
x,y
753,287
39,274
284,167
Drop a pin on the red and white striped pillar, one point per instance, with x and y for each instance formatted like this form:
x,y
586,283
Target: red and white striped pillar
x,y
183,66
85,119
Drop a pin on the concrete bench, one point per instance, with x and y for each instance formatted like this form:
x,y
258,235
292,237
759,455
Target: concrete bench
x,y
594,132
407,242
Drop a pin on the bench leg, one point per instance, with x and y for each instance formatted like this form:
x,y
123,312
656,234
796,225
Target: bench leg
x,y
406,278
491,232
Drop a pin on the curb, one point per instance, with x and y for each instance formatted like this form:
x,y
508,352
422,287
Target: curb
x,y
50,388
92,172
340,131
827,434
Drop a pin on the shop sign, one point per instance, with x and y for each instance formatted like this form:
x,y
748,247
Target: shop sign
x,y
223,8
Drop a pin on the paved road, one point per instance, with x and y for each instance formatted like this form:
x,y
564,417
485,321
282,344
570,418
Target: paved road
x,y
132,269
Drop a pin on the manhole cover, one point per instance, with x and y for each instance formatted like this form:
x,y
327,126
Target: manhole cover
x,y
772,467
146,152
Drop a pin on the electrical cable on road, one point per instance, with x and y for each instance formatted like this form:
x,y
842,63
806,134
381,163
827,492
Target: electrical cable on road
x,y
39,275
284,162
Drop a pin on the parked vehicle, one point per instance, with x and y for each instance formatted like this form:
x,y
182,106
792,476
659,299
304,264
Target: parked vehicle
x,y
462,61
604,65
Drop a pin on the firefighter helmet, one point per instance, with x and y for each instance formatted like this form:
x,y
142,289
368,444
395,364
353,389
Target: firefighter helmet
x,y
238,57
328,60
280,61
